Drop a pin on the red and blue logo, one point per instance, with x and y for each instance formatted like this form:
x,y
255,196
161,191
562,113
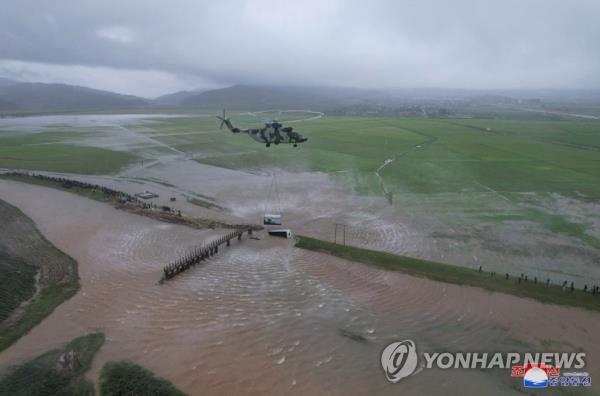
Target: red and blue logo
x,y
536,377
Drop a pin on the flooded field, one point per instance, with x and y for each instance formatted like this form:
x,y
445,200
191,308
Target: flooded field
x,y
545,235
39,123
264,317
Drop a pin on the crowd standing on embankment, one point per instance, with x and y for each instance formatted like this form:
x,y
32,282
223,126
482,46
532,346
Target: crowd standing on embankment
x,y
124,201
594,290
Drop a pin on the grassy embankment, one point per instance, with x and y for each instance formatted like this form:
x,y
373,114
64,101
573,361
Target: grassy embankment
x,y
94,194
25,253
57,372
125,378
455,274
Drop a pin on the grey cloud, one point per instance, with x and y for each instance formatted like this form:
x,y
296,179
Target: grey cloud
x,y
427,43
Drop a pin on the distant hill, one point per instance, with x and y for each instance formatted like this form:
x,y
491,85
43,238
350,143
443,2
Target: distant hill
x,y
4,82
6,105
260,97
176,98
41,97
53,97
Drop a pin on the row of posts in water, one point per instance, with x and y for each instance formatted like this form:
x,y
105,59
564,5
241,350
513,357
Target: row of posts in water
x,y
201,253
565,285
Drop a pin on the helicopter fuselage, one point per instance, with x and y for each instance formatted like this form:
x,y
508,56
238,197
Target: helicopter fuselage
x,y
272,133
275,135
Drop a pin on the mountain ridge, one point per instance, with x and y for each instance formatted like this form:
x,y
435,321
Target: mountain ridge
x,y
35,96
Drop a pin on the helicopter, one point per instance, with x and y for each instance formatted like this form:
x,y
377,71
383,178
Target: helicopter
x,y
272,133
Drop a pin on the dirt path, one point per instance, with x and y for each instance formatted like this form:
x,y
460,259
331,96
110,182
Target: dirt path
x,y
429,140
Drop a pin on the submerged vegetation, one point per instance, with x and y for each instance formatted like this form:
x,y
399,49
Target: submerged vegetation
x,y
353,336
57,372
538,290
554,223
21,246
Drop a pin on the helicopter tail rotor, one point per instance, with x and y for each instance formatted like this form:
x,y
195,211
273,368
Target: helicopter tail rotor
x,y
224,120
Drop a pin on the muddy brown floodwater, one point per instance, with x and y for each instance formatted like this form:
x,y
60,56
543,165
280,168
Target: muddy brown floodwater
x,y
264,317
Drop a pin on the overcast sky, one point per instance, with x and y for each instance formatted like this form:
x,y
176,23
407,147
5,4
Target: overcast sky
x,y
151,47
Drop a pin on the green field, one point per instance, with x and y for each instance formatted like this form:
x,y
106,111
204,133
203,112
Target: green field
x,y
455,155
477,181
464,172
58,152
430,155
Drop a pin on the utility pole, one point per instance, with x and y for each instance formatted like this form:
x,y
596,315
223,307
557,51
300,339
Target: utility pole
x,y
334,233
343,226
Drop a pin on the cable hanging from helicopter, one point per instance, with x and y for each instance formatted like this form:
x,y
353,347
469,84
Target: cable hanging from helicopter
x,y
271,217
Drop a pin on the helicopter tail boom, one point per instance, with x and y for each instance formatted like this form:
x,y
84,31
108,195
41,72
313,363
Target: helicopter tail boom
x,y
227,122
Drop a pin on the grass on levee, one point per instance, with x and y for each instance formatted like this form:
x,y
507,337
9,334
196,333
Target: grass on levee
x,y
125,378
455,274
46,375
96,195
203,203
